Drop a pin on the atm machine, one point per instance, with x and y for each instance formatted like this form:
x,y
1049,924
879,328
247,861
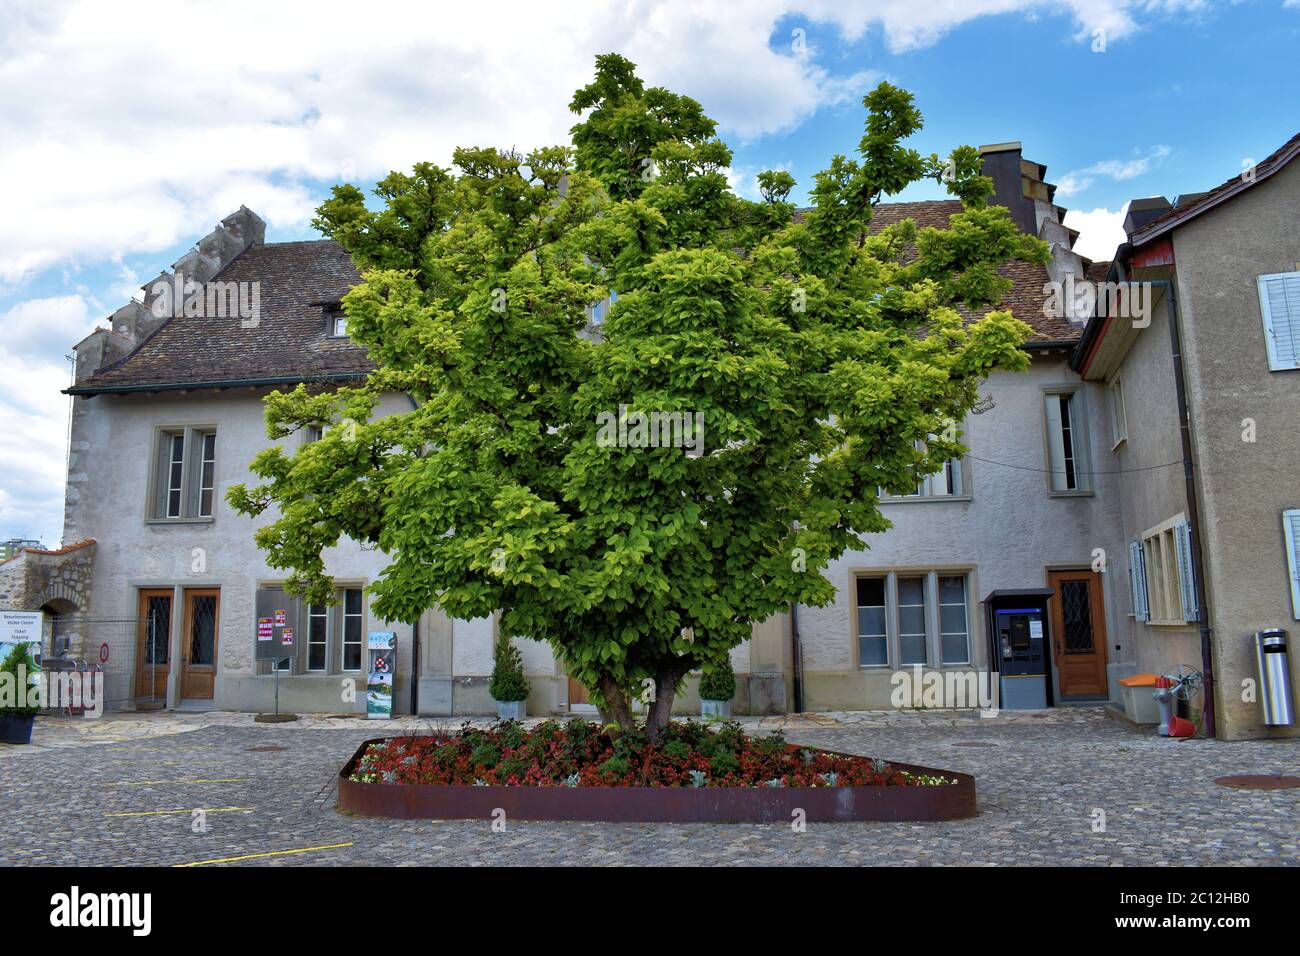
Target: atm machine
x,y
1019,646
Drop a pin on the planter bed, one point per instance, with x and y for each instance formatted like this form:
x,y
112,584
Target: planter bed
x,y
430,777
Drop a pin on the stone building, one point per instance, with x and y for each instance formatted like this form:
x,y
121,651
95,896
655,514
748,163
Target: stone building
x,y
168,413
1212,383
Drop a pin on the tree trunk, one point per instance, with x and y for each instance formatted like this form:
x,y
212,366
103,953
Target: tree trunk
x,y
615,709
661,711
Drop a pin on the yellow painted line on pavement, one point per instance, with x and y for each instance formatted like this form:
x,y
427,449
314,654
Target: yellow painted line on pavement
x,y
155,813
149,783
255,856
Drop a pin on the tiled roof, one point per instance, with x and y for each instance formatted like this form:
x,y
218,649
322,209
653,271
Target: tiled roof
x,y
1220,193
291,338
1025,298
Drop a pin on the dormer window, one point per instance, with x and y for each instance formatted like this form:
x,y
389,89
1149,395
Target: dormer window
x,y
338,325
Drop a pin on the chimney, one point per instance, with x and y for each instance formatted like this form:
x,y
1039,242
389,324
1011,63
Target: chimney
x,y
1003,164
1143,211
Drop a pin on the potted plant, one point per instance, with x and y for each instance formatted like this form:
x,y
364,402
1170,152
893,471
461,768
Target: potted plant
x,y
508,686
717,687
15,717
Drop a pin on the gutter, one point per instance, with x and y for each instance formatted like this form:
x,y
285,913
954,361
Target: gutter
x,y
92,390
796,657
1193,511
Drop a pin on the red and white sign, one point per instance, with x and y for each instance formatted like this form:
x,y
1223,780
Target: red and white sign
x,y
103,653
281,618
287,638
265,629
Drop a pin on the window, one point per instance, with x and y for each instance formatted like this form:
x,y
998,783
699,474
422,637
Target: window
x,y
873,642
1067,446
336,323
954,629
311,433
1163,584
946,483
207,473
353,614
911,620
185,474
1118,420
1279,303
318,633
598,312
1291,533
175,472
909,617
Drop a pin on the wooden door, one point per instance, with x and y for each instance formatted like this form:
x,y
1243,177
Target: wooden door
x,y
153,644
577,694
199,643
1079,633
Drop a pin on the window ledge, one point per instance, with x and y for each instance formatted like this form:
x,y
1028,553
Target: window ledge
x,y
919,499
1070,494
165,521
1116,447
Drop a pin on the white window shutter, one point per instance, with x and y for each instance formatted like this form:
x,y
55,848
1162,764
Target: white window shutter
x,y
1137,579
1279,303
1291,530
1186,580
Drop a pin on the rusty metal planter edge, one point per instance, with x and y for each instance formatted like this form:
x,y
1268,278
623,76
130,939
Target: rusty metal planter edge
x,y
406,801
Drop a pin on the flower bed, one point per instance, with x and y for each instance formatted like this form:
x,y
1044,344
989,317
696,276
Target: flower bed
x,y
575,771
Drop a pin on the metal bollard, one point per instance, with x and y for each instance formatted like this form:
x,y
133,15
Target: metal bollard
x,y
1273,663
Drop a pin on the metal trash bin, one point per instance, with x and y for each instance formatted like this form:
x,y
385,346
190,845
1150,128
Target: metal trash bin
x,y
1274,665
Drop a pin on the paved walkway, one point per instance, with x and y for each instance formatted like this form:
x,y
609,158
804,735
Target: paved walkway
x,y
124,790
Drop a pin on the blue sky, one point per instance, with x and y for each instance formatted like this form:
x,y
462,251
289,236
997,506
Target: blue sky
x,y
120,152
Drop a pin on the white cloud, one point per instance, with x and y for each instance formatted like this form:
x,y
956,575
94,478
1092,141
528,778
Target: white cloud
x,y
134,126
1078,180
41,327
1100,231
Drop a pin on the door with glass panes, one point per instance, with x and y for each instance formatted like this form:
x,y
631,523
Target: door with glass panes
x,y
153,645
199,641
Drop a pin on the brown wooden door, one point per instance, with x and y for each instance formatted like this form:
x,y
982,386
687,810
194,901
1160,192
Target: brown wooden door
x,y
153,644
577,693
199,643
1079,633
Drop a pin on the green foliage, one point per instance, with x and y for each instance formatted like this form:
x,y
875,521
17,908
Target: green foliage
x,y
718,682
19,657
827,360
485,754
615,768
508,682
724,762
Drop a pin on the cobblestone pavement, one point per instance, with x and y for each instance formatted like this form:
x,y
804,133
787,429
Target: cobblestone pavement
x,y
122,790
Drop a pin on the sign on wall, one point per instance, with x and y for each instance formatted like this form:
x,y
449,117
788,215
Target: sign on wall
x,y
22,627
382,647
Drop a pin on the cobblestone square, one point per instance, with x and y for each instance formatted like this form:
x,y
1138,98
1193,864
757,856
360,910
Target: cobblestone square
x,y
122,791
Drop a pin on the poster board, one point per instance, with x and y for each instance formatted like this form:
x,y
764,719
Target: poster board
x,y
382,651
22,627
276,632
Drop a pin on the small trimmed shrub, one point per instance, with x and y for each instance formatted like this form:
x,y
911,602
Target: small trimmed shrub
x,y
508,683
19,656
719,682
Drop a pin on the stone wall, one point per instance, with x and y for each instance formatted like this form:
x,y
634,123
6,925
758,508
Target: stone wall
x,y
57,580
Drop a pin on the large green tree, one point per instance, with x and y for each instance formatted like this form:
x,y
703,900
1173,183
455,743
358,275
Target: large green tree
x,y
828,361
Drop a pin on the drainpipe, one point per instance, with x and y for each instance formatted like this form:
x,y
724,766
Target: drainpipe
x,y
796,657
415,667
1193,512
